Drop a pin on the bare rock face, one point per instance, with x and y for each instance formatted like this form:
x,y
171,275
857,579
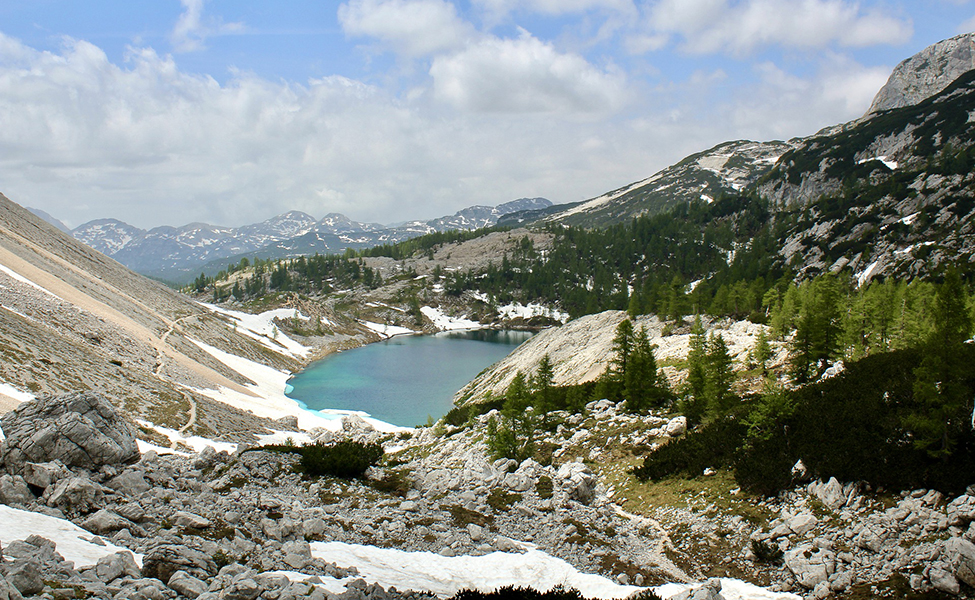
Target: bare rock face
x,y
926,73
79,430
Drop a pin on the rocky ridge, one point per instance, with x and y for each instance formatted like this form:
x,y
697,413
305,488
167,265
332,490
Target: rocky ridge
x,y
180,253
926,73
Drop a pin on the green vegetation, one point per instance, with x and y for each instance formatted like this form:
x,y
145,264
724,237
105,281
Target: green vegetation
x,y
346,459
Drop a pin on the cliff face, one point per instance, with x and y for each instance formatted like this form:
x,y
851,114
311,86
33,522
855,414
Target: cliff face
x,y
926,73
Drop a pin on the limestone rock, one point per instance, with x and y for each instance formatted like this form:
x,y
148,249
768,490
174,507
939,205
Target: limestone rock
x,y
8,591
187,519
578,481
43,475
960,555
187,585
111,567
25,576
810,565
926,73
14,490
75,495
675,427
961,510
104,522
80,430
129,484
164,560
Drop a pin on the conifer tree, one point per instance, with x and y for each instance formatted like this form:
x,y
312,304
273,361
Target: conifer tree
x,y
514,436
543,385
943,401
693,404
641,383
718,377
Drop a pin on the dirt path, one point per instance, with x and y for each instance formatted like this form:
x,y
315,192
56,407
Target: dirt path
x,y
191,419
658,556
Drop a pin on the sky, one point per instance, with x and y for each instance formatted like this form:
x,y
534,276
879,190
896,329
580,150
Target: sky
x,y
230,112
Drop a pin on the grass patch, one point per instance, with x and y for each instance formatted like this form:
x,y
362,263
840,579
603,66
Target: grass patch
x,y
500,500
463,517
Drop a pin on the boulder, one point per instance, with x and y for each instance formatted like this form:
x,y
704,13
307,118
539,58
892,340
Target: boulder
x,y
8,591
943,581
802,524
186,585
129,484
577,481
79,430
164,560
961,510
829,493
960,555
121,564
675,427
104,522
810,565
355,423
191,520
25,576
43,475
14,490
75,495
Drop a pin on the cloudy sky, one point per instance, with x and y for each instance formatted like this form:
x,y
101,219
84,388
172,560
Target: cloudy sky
x,y
233,111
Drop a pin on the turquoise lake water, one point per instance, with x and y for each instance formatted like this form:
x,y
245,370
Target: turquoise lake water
x,y
405,379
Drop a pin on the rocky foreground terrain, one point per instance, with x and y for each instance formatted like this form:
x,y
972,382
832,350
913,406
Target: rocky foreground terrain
x,y
229,526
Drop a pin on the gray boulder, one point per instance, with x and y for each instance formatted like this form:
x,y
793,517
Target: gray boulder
x,y
961,510
578,482
79,430
186,585
121,564
104,522
76,495
14,490
164,560
130,483
25,576
8,591
810,565
43,475
960,555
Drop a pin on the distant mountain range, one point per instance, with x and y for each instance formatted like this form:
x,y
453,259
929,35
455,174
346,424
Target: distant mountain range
x,y
178,254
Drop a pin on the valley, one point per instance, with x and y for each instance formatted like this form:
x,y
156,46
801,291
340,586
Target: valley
x,y
751,379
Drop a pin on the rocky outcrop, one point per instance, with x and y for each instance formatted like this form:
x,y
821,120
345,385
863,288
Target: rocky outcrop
x,y
926,73
79,430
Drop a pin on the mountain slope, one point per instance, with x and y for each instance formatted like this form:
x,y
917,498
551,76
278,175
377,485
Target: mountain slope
x,y
723,170
72,319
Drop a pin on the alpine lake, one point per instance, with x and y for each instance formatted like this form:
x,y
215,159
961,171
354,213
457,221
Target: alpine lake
x,y
405,380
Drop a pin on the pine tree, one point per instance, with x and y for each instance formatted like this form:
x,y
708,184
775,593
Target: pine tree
x,y
514,436
943,401
641,383
543,384
762,352
719,377
693,404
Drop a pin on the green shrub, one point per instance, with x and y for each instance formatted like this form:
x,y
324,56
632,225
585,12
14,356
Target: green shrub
x,y
713,445
766,553
346,459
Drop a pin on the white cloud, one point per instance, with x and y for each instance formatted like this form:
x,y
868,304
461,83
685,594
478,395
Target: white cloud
x,y
500,8
524,75
741,27
785,105
411,27
150,144
191,30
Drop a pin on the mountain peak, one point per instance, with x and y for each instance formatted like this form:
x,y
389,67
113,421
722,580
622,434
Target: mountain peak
x,y
926,73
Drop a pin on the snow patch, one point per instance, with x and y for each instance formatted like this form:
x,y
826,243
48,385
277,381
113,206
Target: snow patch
x,y
268,397
10,391
445,323
262,328
18,277
517,310
385,330
890,164
864,277
909,219
73,543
